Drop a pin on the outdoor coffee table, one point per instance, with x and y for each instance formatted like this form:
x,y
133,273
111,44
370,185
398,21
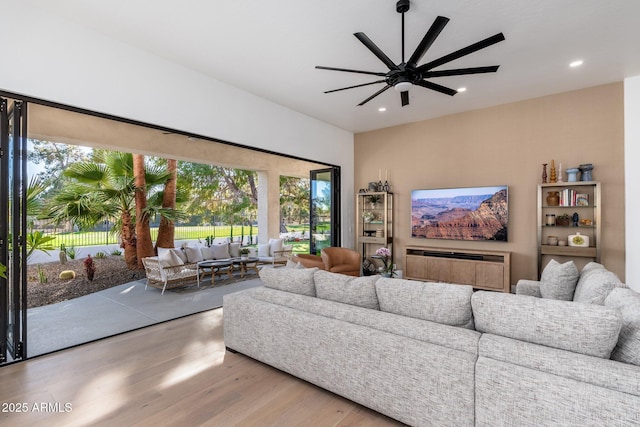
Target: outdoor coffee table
x,y
246,263
217,266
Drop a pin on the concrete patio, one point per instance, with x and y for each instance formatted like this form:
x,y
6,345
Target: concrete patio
x,y
116,310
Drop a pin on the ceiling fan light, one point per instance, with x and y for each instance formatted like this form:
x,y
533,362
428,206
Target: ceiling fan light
x,y
403,86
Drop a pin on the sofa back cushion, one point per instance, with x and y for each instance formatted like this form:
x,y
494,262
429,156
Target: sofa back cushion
x,y
627,302
169,257
296,280
220,251
558,281
194,254
595,283
581,328
360,291
438,302
234,249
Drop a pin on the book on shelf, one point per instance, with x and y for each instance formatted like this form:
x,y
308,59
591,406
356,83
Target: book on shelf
x,y
582,199
569,197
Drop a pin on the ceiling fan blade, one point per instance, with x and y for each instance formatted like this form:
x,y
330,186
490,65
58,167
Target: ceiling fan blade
x,y
462,52
461,71
437,87
376,50
428,39
347,70
404,97
374,95
351,87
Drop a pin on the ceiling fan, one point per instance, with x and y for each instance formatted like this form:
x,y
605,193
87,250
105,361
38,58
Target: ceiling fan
x,y
405,75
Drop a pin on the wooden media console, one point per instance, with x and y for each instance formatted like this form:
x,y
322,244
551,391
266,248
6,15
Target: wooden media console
x,y
481,269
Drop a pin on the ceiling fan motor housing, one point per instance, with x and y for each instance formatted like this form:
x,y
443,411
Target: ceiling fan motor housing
x,y
402,6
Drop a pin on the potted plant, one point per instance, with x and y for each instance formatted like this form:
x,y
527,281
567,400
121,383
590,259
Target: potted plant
x,y
373,200
563,220
244,253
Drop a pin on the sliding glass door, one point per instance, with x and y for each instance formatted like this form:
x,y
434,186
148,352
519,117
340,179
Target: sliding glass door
x,y
324,209
13,219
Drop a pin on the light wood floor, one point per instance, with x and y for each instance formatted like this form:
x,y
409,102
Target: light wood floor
x,y
172,374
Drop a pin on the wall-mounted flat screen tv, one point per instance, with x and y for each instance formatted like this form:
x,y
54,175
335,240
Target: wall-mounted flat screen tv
x,y
472,213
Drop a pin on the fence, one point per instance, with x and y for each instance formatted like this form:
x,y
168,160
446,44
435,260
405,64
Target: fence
x,y
104,235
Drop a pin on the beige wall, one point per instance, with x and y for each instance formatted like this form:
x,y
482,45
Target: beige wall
x,y
501,145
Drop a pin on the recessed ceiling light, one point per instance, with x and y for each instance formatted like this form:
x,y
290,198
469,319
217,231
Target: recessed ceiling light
x,y
576,63
382,109
462,89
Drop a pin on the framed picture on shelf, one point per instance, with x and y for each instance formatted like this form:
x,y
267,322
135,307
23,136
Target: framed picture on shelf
x,y
582,199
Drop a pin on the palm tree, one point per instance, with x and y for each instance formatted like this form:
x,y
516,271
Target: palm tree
x,y
167,228
144,245
104,188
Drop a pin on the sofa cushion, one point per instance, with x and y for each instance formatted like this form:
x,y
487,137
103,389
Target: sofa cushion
x,y
595,283
360,291
296,280
194,254
627,302
263,249
207,252
221,251
169,258
581,328
558,281
275,245
234,250
438,302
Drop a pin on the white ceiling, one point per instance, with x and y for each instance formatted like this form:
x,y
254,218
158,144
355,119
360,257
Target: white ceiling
x,y
270,48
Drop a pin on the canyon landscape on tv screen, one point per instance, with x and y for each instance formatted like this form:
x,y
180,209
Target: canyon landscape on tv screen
x,y
474,213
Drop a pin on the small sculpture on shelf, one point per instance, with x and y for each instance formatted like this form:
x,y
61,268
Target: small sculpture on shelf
x,y
544,173
585,171
553,177
576,219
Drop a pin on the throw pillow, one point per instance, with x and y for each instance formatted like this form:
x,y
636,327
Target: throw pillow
x,y
207,252
193,254
360,291
275,245
169,258
595,285
558,281
627,302
221,251
437,302
298,281
263,249
180,254
234,250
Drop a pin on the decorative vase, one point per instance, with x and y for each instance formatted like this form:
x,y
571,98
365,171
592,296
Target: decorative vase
x,y
553,198
572,174
585,172
578,240
552,240
550,220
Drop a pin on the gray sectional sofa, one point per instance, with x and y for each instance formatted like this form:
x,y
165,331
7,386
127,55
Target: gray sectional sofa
x,y
434,354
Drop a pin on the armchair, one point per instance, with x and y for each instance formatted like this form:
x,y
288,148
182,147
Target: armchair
x,y
309,261
341,260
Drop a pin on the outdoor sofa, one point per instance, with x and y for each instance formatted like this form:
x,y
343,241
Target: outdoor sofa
x,y
175,267
441,354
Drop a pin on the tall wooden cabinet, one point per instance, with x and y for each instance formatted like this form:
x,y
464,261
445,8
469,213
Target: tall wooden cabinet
x,y
582,198
374,224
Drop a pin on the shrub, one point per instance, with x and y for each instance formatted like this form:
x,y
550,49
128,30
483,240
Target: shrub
x,y
67,275
89,267
42,276
101,255
116,252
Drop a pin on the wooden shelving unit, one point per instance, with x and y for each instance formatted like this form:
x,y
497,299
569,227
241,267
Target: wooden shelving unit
x,y
374,224
591,211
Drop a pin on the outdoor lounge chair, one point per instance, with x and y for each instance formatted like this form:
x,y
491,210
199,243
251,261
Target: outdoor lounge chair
x,y
167,277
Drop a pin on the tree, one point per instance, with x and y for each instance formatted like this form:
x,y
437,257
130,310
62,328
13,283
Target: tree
x,y
104,188
56,158
144,244
166,230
